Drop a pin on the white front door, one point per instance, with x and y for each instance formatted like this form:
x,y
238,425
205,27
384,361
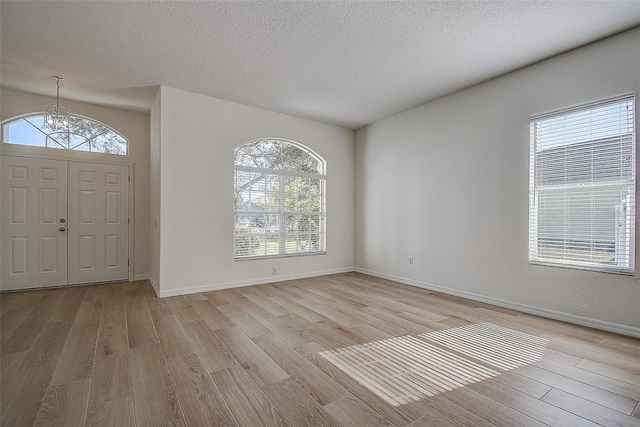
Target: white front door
x,y
34,213
62,223
98,222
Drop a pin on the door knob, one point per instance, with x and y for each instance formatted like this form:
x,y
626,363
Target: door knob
x,y
62,219
62,229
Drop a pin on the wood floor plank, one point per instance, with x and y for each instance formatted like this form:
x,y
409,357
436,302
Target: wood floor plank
x,y
489,409
70,304
609,371
187,314
456,414
64,404
153,391
140,328
112,333
21,407
89,314
312,379
333,312
244,321
10,373
246,400
523,384
113,413
258,365
77,355
30,328
298,309
290,327
586,350
398,415
11,320
534,408
297,406
216,298
261,299
396,320
625,344
371,333
589,410
158,308
622,388
213,317
172,337
558,356
351,412
111,377
586,391
332,335
115,295
212,352
200,399
46,350
636,412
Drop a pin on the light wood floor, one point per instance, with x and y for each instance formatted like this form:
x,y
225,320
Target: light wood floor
x,y
115,354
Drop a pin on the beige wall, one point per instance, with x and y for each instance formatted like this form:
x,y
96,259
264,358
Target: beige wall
x,y
198,135
133,125
448,183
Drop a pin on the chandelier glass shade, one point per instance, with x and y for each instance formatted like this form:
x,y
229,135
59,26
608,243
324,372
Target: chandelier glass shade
x,y
56,118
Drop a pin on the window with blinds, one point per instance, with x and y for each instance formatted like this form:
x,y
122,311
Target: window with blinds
x,y
279,200
582,187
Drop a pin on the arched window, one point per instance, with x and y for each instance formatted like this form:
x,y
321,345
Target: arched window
x,y
82,134
279,200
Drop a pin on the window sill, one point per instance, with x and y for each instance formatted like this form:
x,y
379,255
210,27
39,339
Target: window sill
x,y
256,258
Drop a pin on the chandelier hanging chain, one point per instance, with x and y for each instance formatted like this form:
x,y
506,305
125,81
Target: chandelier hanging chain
x,y
57,119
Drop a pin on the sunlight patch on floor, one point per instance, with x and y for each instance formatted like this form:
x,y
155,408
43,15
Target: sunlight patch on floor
x,y
496,345
406,369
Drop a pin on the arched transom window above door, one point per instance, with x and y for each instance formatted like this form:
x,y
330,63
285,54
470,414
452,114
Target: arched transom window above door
x,y
279,208
81,134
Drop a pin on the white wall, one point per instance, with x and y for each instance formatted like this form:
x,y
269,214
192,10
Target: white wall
x,y
132,124
447,183
154,194
198,137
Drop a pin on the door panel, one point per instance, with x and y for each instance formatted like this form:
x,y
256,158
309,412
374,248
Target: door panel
x,y
98,222
33,193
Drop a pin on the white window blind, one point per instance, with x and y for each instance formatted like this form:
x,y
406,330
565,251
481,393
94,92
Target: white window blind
x,y
582,187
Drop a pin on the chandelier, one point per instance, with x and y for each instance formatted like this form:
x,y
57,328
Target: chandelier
x,y
56,118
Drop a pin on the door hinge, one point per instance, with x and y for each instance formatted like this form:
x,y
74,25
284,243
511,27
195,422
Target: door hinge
x,y
128,220
129,178
128,262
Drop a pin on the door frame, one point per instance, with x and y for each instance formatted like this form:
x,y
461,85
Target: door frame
x,y
130,209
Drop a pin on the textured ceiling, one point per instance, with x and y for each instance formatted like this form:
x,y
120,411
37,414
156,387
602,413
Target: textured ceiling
x,y
346,63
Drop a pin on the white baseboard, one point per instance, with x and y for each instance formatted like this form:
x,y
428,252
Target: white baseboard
x,y
154,286
538,311
260,281
141,277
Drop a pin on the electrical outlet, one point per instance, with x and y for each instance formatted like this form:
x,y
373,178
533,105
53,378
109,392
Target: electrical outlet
x,y
410,260
274,270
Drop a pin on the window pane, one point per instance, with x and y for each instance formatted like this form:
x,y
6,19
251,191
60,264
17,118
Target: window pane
x,y
278,204
24,133
583,187
83,134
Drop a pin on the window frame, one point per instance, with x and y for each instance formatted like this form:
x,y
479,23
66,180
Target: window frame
x,y
282,213
86,139
535,189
